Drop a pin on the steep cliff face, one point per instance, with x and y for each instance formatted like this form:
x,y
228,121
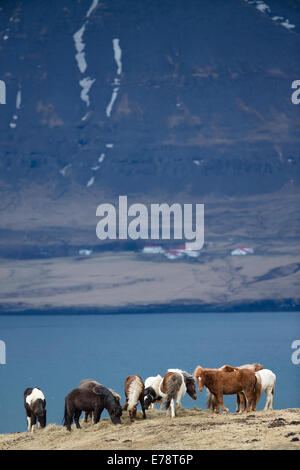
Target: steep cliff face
x,y
190,98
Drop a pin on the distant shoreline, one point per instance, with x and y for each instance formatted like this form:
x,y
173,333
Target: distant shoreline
x,y
266,306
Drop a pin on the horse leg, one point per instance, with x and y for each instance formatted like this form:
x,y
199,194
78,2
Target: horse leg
x,y
243,401
251,399
238,402
272,398
33,422
28,415
221,403
97,415
77,414
172,408
268,405
143,406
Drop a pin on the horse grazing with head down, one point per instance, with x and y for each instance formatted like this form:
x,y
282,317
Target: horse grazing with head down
x,y
151,392
35,407
227,382
91,400
174,386
88,384
134,393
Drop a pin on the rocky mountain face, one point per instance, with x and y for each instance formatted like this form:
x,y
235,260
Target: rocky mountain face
x,y
162,101
159,100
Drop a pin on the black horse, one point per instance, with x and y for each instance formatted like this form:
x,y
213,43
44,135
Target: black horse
x,y
94,400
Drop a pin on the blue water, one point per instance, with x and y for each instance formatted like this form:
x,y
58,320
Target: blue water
x,y
56,352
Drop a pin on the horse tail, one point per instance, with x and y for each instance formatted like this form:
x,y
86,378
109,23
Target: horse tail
x,y
210,401
66,415
134,392
64,420
174,384
257,388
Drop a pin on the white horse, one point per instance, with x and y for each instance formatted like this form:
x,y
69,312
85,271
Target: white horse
x,y
266,380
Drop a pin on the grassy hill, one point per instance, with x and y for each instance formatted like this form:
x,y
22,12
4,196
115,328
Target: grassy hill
x,y
190,430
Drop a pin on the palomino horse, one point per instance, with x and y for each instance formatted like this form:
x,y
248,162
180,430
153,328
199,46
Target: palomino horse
x,y
94,400
35,407
222,382
134,393
174,385
240,397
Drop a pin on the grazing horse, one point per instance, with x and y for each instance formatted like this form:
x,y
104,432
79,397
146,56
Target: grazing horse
x,y
94,400
151,392
134,393
174,386
35,406
88,384
220,382
240,397
266,380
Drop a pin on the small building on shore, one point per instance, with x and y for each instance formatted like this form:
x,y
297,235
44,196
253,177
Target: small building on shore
x,y
242,251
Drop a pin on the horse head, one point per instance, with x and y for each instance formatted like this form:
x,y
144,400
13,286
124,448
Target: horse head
x,y
115,413
190,385
198,372
149,397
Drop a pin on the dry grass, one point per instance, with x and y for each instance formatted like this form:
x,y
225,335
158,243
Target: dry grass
x,y
190,430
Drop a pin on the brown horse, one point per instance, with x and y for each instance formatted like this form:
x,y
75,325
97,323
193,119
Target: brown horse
x,y
240,397
94,400
89,384
220,382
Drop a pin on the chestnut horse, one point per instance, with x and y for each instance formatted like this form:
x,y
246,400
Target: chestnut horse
x,y
220,382
240,397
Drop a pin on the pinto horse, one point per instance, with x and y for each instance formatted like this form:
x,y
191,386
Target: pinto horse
x,y
220,382
35,407
151,392
134,393
174,386
94,400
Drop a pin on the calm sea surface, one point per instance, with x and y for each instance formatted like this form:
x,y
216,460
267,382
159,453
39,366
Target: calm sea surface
x,y
56,352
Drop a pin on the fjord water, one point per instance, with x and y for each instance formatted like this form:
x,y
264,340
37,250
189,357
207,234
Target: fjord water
x,y
56,352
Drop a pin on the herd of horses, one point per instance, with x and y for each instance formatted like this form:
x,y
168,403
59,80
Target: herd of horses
x,y
247,382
